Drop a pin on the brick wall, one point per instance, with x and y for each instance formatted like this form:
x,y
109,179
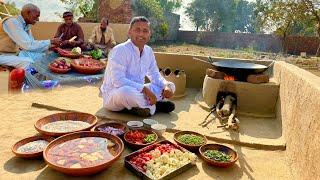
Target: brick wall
x,y
117,11
259,42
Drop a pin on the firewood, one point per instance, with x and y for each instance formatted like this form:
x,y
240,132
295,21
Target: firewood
x,y
226,108
215,74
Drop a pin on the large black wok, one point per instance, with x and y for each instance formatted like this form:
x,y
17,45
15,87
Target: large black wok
x,y
236,68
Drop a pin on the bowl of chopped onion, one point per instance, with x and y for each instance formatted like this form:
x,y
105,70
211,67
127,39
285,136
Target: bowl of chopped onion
x,y
218,155
114,128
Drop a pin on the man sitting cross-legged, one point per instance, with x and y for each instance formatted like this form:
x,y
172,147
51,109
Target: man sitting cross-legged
x,y
123,87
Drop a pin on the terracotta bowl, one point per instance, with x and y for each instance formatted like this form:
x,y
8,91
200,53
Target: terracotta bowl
x,y
27,140
119,147
222,148
193,148
58,70
111,124
136,145
77,116
75,64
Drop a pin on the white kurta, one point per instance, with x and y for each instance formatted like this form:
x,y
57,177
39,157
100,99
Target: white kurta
x,y
125,77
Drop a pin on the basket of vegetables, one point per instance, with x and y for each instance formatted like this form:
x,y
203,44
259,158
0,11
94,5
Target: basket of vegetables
x,y
140,138
218,155
87,66
73,54
60,66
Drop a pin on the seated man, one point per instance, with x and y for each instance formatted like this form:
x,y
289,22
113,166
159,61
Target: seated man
x,y
16,37
102,36
68,30
123,87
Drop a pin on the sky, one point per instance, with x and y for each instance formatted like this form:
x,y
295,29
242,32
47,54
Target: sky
x,y
49,9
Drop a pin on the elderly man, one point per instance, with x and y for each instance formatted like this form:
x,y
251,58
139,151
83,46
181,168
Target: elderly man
x,y
70,32
102,36
123,87
16,37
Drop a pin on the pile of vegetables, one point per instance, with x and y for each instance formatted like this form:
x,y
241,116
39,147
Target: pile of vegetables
x,y
139,137
112,130
191,139
76,50
96,54
217,156
162,160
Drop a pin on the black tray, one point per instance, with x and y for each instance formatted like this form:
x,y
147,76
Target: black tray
x,y
141,174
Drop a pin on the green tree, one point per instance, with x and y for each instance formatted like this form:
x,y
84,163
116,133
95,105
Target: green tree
x,y
282,17
223,16
83,8
11,7
169,5
311,8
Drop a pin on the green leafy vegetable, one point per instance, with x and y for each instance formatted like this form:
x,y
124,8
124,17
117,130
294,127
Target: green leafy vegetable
x,y
96,54
217,156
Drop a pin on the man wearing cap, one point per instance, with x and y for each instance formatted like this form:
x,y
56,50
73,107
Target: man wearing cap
x,y
16,38
70,32
102,35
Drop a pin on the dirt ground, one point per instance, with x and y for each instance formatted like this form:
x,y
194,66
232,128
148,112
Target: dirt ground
x,y
18,118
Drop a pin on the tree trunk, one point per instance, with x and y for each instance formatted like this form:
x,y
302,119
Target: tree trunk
x,y
318,50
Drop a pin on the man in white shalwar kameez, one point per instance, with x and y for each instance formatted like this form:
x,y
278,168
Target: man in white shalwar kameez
x,y
129,63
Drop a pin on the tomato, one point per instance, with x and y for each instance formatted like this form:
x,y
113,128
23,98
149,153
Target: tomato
x,y
17,75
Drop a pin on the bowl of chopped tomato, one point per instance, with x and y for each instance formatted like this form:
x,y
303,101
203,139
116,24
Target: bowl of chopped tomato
x,y
140,138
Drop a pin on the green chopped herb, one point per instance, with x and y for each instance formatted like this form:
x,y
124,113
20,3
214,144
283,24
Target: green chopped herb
x,y
217,156
149,138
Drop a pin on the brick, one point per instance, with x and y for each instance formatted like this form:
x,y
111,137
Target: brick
x,y
258,78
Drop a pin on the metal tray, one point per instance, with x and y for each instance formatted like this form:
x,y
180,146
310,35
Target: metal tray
x,y
141,174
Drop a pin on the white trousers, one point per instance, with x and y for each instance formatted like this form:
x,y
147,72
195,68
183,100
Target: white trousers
x,y
128,97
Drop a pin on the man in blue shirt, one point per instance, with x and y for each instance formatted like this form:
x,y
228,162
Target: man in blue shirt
x,y
16,37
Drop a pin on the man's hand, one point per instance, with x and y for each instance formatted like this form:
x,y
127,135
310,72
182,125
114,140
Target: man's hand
x,y
149,95
167,93
55,41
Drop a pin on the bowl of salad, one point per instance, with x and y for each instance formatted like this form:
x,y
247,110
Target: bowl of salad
x,y
140,138
218,155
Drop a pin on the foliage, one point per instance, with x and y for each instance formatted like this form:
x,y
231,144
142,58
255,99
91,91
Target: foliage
x,y
83,8
11,6
154,12
223,16
169,5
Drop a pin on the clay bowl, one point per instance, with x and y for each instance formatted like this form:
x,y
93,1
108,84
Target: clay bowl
x,y
67,53
76,116
222,148
58,70
27,140
111,124
99,66
193,148
134,145
119,147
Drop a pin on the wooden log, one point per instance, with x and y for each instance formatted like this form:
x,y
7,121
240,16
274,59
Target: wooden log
x,y
230,122
226,108
215,74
